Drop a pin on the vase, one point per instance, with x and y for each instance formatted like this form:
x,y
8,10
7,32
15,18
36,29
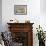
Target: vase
x,y
41,43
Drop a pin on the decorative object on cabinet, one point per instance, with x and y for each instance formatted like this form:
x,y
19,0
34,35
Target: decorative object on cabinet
x,y
27,21
20,9
13,21
22,33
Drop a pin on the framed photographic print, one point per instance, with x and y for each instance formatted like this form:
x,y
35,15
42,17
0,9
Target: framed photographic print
x,y
20,9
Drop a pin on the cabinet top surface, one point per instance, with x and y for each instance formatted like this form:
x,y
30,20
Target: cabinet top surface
x,y
19,23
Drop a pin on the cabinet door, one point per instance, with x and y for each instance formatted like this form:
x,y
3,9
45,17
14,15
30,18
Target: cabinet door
x,y
20,37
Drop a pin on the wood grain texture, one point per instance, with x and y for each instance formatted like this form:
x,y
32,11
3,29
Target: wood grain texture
x,y
23,27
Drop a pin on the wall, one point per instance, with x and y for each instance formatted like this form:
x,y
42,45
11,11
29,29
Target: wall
x,y
43,14
33,11
43,6
0,15
34,14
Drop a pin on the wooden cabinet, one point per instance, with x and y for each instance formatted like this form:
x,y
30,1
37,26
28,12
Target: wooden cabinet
x,y
22,33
